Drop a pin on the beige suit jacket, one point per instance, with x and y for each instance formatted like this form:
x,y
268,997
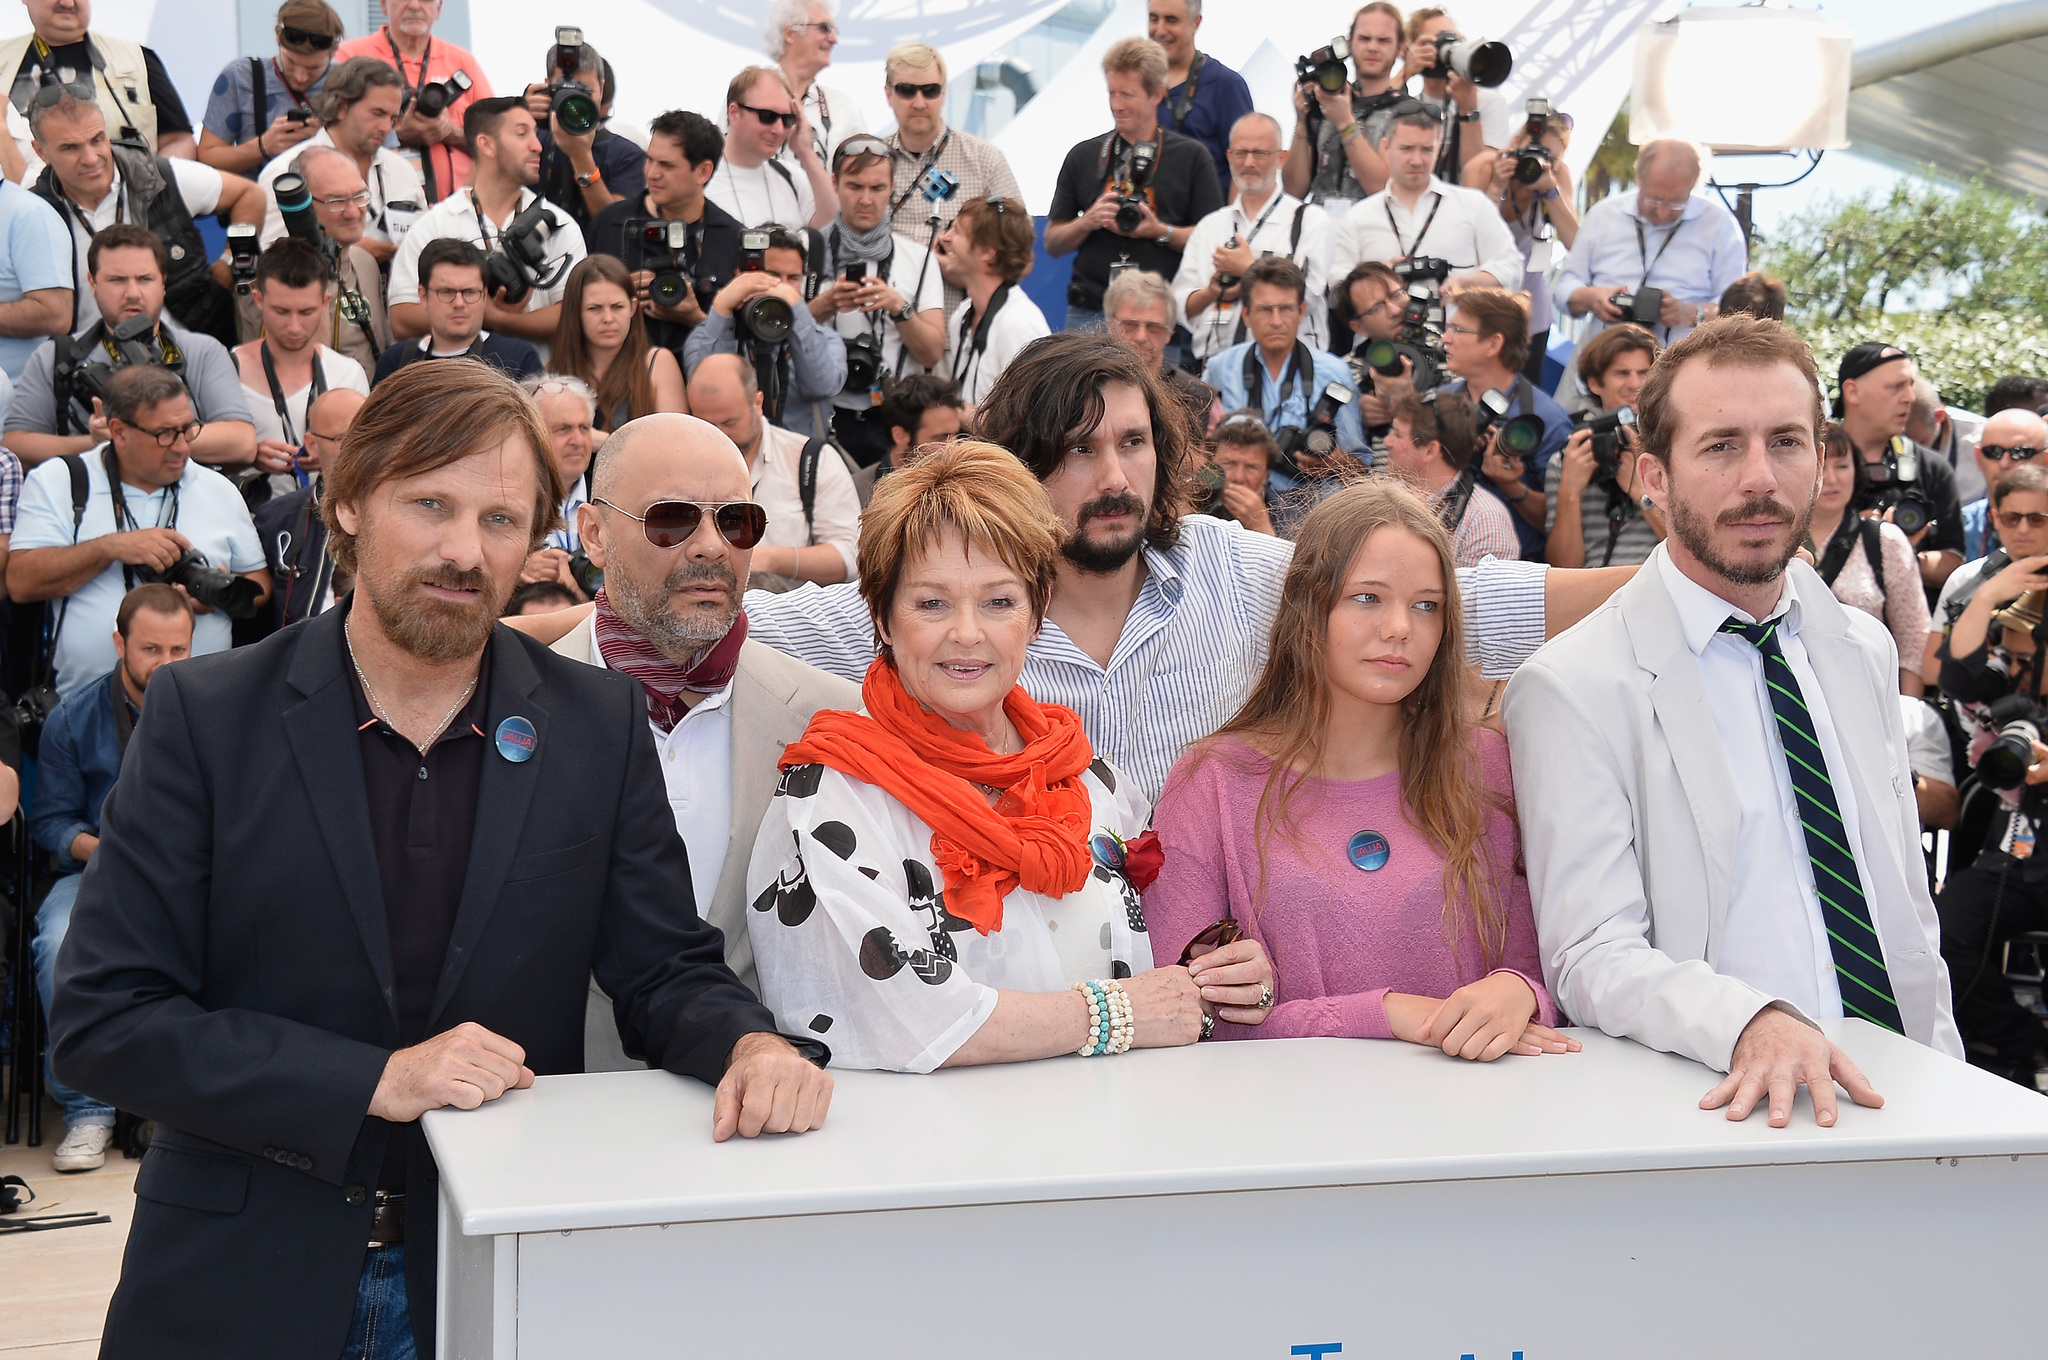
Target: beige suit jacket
x,y
1629,819
773,698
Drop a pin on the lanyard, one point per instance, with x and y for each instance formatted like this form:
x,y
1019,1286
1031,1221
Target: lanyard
x,y
426,55
293,92
1185,105
1405,252
1291,378
284,415
918,167
978,330
1643,247
166,515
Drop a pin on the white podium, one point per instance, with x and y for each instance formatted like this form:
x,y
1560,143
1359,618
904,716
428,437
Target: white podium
x,y
1319,1197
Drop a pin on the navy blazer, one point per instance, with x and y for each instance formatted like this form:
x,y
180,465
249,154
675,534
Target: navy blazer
x,y
228,971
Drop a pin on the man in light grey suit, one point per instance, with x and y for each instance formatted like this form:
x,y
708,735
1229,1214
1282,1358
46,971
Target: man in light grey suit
x,y
1711,770
722,708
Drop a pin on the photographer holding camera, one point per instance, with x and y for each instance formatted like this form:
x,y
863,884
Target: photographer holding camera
x,y
1459,78
678,244
1334,160
1265,220
331,212
138,508
56,408
441,82
1598,513
452,285
585,167
1910,485
1990,665
1533,186
259,110
357,114
1242,479
568,409
799,365
1432,445
1420,216
1658,255
985,253
1305,396
1486,336
285,369
529,244
1133,196
887,296
294,537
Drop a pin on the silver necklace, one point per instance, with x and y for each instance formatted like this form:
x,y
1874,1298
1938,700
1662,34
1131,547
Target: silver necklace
x,y
348,637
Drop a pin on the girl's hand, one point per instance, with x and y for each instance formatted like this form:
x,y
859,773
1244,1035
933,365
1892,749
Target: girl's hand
x,y
1485,1019
1233,980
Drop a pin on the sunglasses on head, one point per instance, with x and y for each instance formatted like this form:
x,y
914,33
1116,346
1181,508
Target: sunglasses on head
x,y
299,37
768,117
52,93
861,144
1225,931
905,90
2019,453
671,524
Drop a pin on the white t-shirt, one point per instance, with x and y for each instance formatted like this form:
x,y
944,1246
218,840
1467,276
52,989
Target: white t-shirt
x,y
337,370
211,514
456,216
833,117
835,516
905,265
1016,323
763,195
199,184
392,179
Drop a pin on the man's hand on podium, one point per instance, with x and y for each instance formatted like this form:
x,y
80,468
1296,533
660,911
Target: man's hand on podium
x,y
463,1067
769,1088
1778,1053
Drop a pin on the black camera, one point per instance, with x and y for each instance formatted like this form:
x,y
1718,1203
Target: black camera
x,y
1324,68
1228,280
242,253
1423,269
765,317
1531,162
586,573
1422,327
661,246
1894,483
520,263
295,206
1130,210
1520,435
433,100
573,104
1209,483
31,711
1641,306
1130,213
1318,438
2007,759
1480,61
234,596
863,371
132,340
1612,431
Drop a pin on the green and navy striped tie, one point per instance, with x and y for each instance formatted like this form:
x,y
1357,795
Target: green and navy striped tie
x,y
1859,958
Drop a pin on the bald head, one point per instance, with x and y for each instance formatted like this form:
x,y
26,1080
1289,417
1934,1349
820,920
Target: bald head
x,y
723,391
670,457
1671,156
2013,428
327,420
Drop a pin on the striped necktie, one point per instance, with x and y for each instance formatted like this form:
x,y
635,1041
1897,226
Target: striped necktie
x,y
1852,937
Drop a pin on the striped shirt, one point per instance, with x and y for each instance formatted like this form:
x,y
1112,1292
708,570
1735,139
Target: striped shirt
x,y
1193,646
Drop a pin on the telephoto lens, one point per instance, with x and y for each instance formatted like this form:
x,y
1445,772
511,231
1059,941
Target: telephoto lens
x,y
295,205
767,318
574,108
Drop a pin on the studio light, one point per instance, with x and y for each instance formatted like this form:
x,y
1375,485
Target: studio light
x,y
1743,79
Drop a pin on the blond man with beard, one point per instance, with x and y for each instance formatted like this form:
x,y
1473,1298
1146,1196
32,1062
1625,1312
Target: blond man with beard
x,y
364,870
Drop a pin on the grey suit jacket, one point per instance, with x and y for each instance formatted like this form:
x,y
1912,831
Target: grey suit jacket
x,y
773,698
1629,819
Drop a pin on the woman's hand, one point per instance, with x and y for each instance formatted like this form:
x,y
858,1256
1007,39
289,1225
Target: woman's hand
x,y
1166,1009
1233,979
1485,1019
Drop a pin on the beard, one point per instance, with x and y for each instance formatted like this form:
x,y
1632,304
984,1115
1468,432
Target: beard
x,y
430,629
1103,558
1693,530
680,633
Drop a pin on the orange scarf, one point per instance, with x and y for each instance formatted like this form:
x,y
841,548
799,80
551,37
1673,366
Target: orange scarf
x,y
1036,834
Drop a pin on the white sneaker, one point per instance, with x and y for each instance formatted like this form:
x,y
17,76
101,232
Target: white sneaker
x,y
84,1148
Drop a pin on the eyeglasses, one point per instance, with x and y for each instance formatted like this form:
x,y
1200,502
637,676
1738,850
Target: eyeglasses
x,y
768,117
2037,519
336,202
1472,331
2019,453
1225,931
905,90
52,93
325,438
288,36
1238,153
671,524
445,295
166,437
1653,201
824,26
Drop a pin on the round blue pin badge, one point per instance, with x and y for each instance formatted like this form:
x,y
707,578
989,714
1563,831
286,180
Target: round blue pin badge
x,y
1107,851
517,740
1368,850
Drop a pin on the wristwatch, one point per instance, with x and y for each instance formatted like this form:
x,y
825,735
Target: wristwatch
x,y
1471,117
1166,237
585,181
902,313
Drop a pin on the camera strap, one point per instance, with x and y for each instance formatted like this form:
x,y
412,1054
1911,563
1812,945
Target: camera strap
x,y
124,518
412,87
1292,378
919,166
1407,251
1126,160
313,391
978,330
1185,105
1643,248
81,492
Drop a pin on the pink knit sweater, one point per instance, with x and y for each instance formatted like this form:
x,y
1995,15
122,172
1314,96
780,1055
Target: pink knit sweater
x,y
1340,938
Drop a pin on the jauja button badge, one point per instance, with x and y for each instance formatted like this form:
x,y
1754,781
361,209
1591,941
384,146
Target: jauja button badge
x,y
1369,850
517,741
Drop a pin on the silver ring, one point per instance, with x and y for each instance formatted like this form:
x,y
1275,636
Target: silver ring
x,y
1208,1024
1265,996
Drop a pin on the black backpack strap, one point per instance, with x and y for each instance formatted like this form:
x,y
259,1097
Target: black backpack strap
x,y
1873,550
807,484
1294,232
81,491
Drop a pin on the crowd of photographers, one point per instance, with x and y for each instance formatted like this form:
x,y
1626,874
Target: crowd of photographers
x,y
1370,292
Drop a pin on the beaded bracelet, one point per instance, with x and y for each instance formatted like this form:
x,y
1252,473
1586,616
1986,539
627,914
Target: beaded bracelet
x,y
1123,1027
1097,999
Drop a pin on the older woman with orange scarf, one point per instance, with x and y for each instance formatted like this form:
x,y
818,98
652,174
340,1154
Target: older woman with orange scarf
x,y
944,879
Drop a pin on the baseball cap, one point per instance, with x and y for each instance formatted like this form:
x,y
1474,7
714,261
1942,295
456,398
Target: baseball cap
x,y
1861,360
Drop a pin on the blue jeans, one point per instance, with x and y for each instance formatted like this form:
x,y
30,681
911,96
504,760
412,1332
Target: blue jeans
x,y
382,1328
1079,319
53,918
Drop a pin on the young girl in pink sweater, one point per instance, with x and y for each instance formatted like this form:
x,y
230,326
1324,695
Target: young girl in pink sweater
x,y
1352,819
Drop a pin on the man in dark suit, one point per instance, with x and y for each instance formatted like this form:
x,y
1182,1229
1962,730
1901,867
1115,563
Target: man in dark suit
x,y
363,870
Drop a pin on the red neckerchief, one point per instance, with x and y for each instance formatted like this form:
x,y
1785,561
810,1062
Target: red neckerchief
x,y
664,681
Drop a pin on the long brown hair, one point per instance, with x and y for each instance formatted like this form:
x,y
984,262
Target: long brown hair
x,y
1289,710
626,380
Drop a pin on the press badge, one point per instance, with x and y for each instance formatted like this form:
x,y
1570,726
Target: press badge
x,y
2019,835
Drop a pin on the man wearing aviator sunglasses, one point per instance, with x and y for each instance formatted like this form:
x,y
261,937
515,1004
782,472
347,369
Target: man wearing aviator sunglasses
x,y
799,35
762,115
675,528
2009,439
261,108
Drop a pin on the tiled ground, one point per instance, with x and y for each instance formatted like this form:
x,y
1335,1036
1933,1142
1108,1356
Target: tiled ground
x,y
57,1283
